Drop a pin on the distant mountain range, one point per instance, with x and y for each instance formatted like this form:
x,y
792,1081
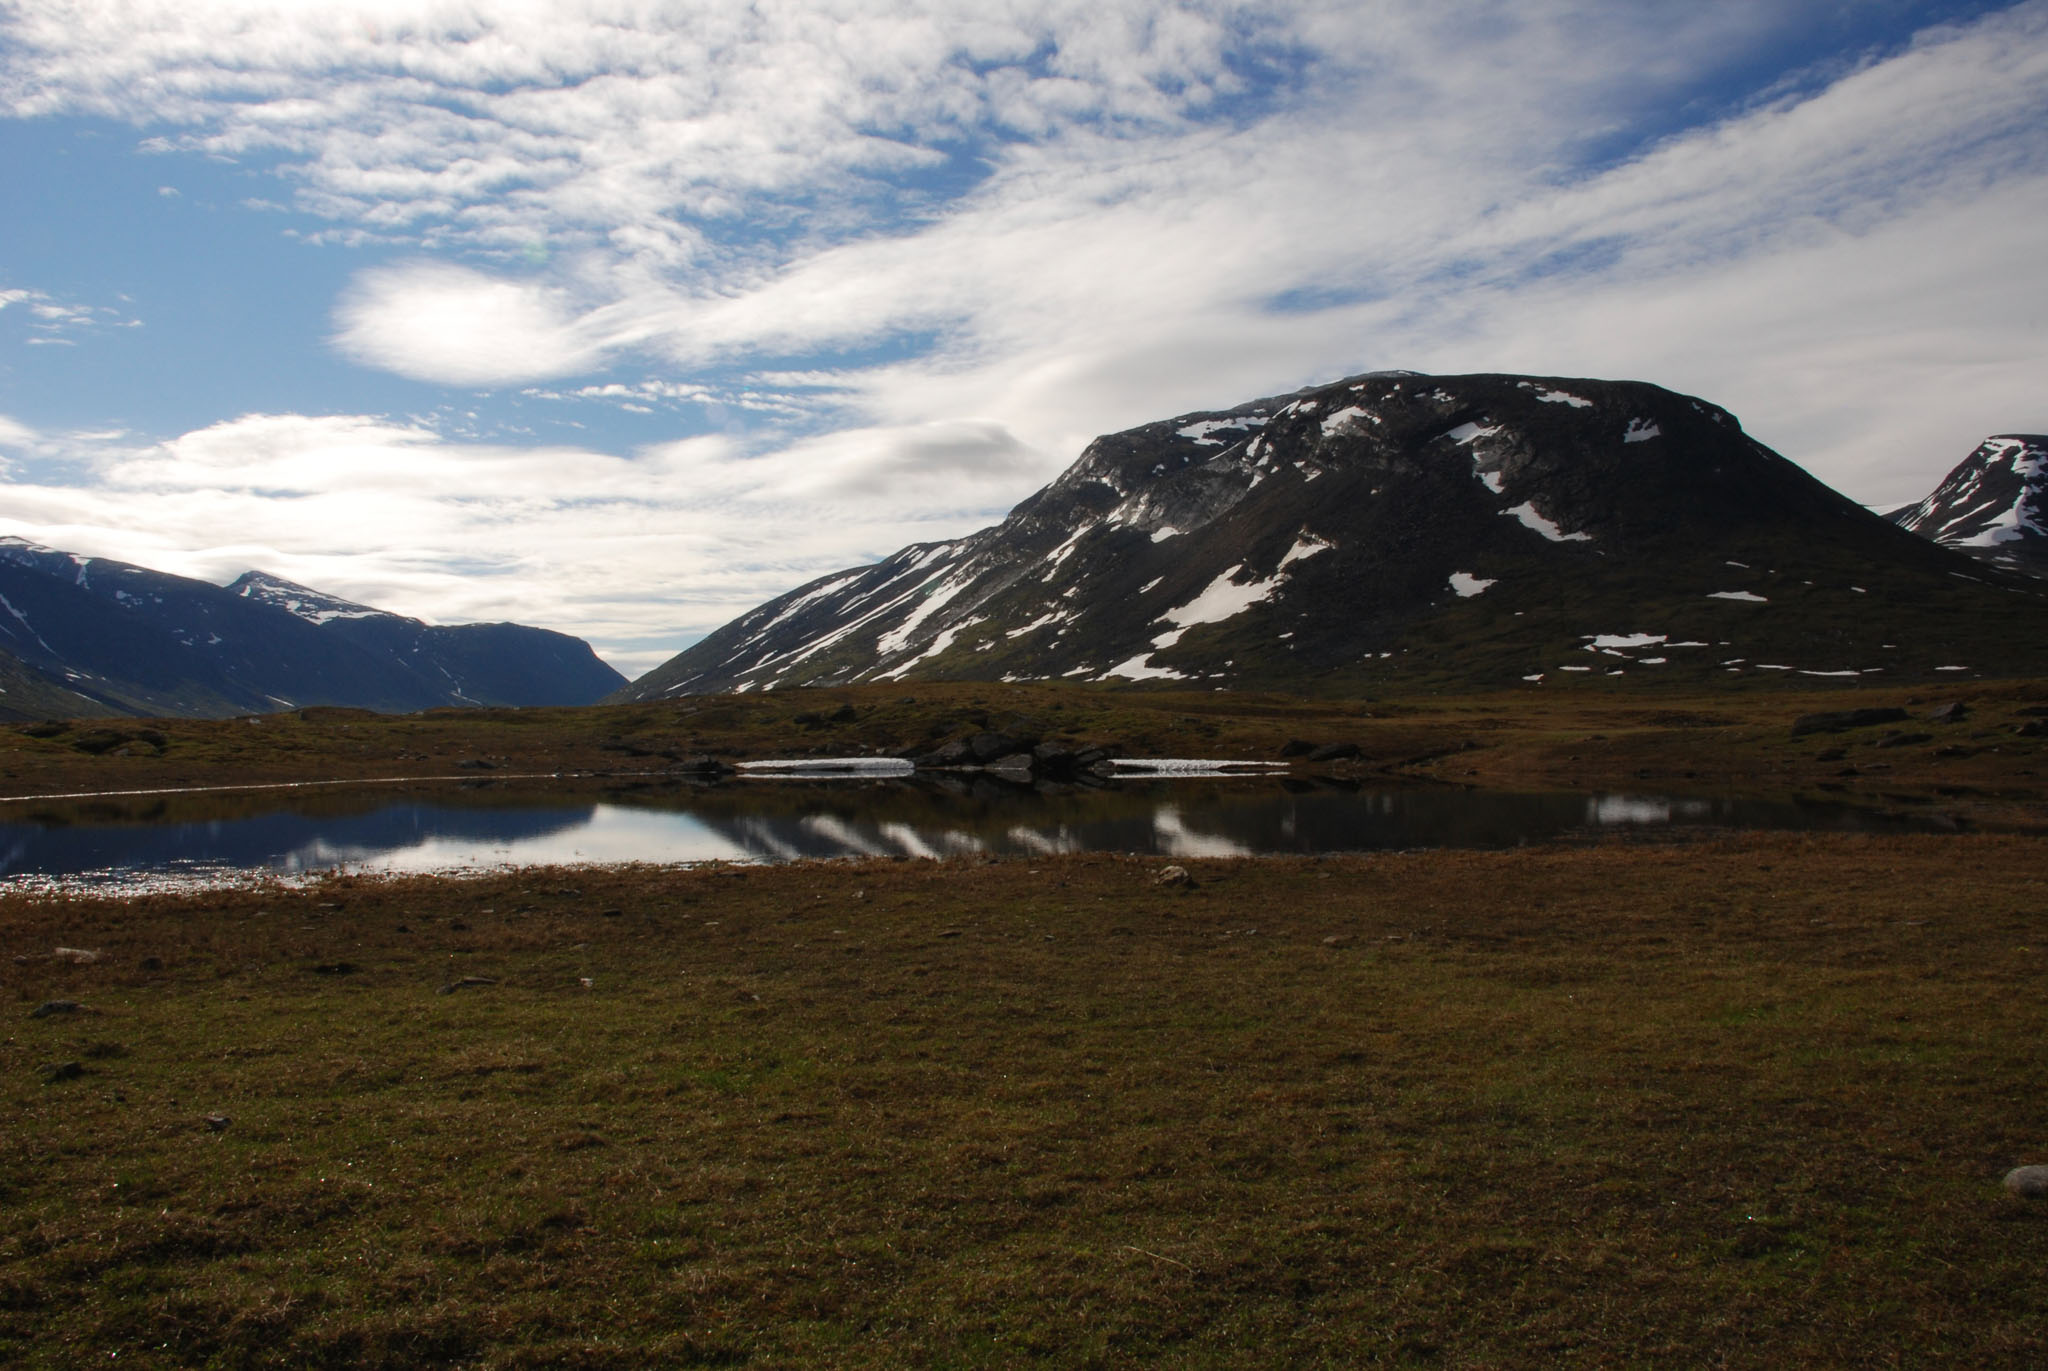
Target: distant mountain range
x,y
1398,529
88,635
1993,506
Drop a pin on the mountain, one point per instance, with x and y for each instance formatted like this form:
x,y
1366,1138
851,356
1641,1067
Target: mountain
x,y
1993,506
131,640
1443,531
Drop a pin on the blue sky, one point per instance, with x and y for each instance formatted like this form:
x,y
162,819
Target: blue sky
x,y
620,318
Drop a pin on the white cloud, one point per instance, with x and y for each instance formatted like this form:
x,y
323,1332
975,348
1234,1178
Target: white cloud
x,y
639,554
1050,219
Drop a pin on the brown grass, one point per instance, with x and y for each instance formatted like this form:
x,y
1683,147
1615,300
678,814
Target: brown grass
x,y
1738,1103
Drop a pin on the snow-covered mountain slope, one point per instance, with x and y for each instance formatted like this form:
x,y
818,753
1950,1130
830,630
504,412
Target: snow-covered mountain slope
x,y
1463,529
1994,505
315,607
139,641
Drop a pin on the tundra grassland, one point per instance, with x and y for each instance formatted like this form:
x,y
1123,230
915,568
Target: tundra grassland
x,y
1741,1101
1986,762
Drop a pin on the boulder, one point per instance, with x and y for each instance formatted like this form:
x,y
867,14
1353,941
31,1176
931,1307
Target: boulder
x,y
2028,1182
1176,876
1334,752
1296,747
986,747
1954,712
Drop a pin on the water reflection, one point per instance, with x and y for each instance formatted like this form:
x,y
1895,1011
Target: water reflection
x,y
442,828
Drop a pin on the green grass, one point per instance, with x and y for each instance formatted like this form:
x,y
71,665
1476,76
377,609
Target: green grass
x,y
1740,1103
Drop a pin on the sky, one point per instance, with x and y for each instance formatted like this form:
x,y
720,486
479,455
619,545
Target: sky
x,y
620,318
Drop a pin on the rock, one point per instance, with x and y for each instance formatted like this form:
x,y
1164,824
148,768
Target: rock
x,y
2038,728
953,753
50,1008
336,969
1018,766
1296,747
1176,876
842,715
77,956
467,983
63,1071
151,964
2028,1182
1337,940
218,1123
1954,712
1334,752
1836,721
986,747
476,764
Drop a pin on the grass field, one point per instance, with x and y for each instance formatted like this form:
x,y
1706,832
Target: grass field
x,y
1739,1102
1989,764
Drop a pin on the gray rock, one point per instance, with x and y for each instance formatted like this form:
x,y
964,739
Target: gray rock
x,y
1174,876
1954,712
2028,1182
50,1008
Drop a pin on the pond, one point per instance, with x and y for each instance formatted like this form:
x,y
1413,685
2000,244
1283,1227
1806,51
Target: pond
x,y
179,839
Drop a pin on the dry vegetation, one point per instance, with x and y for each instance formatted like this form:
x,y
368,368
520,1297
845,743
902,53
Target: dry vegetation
x,y
1980,766
1743,1102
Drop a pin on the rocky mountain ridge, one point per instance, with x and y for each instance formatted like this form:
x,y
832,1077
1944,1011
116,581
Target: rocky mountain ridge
x,y
1993,506
100,636
1454,530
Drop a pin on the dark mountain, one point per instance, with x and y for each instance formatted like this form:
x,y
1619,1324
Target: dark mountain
x,y
1993,506
1433,530
135,641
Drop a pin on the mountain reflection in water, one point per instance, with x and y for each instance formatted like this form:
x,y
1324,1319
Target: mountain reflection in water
x,y
442,828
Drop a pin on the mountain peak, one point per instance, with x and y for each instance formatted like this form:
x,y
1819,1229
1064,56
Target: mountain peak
x,y
1391,526
1993,505
315,607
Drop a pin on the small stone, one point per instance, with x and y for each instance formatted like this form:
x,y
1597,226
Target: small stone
x,y
49,1008
1174,876
1337,940
336,969
2028,1182
467,983
151,964
218,1122
63,1071
1954,712
77,956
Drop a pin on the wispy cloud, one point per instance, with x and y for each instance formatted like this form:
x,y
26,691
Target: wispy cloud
x,y
905,258
638,553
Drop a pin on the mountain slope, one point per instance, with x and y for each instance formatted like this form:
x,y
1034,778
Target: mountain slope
x,y
138,641
1993,506
481,664
1395,527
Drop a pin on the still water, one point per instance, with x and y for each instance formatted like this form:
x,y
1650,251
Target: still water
x,y
203,838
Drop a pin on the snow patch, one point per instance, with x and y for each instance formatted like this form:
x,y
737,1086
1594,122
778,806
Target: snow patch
x,y
1341,420
1641,431
1466,433
1163,532
1745,596
1601,640
1467,585
1526,512
1200,431
1140,668
1563,397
